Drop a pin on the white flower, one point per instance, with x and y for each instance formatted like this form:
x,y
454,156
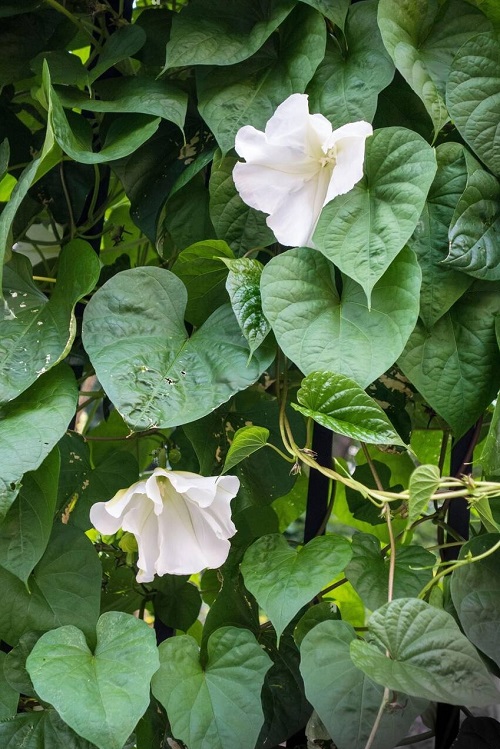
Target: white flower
x,y
296,166
181,521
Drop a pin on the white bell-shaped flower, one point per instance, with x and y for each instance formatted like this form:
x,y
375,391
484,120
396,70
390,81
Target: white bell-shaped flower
x,y
296,166
181,521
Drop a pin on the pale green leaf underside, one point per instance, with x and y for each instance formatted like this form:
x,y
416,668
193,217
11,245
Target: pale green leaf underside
x,y
246,441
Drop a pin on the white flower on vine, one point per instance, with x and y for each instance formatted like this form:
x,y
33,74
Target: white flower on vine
x,y
181,521
296,166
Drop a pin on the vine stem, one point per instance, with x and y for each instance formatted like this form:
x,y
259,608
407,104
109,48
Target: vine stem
x,y
455,566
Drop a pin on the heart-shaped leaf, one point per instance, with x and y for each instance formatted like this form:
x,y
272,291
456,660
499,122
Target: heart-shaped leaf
x,y
336,688
64,588
475,590
243,287
218,706
283,579
365,229
339,404
153,372
42,729
424,481
368,570
409,629
43,331
25,532
422,40
100,695
316,326
246,441
31,425
473,95
455,365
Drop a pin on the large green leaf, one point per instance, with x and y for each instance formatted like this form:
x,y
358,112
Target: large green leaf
x,y
283,579
218,706
222,34
204,276
347,83
368,570
243,287
346,700
490,9
441,285
429,656
134,333
317,326
248,93
42,729
25,531
242,227
339,404
9,697
14,666
124,136
135,94
43,330
124,42
365,229
31,425
475,591
101,695
473,95
474,231
64,588
422,38
455,365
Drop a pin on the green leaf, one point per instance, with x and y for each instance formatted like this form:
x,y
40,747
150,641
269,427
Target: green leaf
x,y
101,695
224,36
424,481
142,447
14,666
490,455
409,629
135,94
336,688
124,42
455,365
490,9
134,333
4,157
177,602
25,532
422,38
475,591
315,324
42,729
204,276
31,425
64,588
474,231
365,229
218,706
473,95
334,10
338,403
441,284
43,330
320,612
346,85
249,93
368,570
8,697
124,136
246,441
242,227
283,579
65,67
243,287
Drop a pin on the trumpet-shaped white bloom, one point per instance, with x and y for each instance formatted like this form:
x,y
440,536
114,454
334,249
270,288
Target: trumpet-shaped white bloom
x,y
296,166
181,521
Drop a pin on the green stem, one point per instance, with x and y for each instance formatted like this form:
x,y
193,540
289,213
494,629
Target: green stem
x,y
455,566
280,452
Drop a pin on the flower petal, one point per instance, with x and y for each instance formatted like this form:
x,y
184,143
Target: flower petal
x,y
291,126
102,520
141,520
179,550
118,503
349,141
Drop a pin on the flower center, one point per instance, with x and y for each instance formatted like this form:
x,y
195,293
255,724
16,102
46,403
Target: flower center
x,y
330,158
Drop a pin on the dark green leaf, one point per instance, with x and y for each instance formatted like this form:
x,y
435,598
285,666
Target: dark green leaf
x,y
124,42
177,602
15,664
134,334
409,629
43,729
283,579
315,324
9,697
490,455
101,695
334,10
320,612
365,229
